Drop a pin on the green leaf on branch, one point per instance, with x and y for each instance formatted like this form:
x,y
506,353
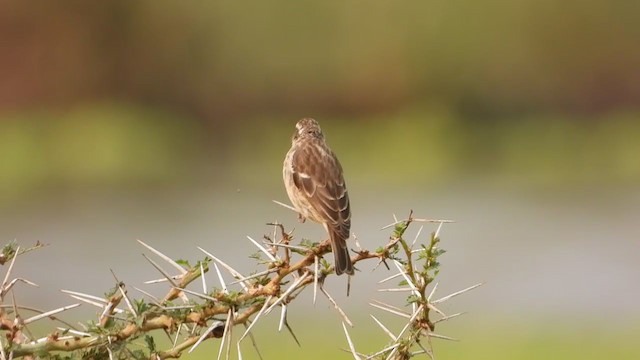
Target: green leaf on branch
x,y
307,243
184,263
399,229
151,343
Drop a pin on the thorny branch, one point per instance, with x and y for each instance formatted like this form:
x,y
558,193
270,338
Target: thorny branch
x,y
189,317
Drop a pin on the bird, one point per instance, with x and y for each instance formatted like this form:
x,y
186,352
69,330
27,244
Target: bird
x,y
314,181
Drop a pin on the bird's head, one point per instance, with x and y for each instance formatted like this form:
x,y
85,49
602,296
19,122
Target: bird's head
x,y
307,128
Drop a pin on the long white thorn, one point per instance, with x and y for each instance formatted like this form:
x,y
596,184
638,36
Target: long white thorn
x,y
432,307
355,239
395,290
179,307
396,221
164,257
157,281
448,317
423,351
204,281
261,273
380,352
283,317
417,235
263,249
443,299
239,351
391,310
413,317
202,296
205,334
175,339
434,221
437,234
93,297
384,328
231,270
389,278
10,285
74,332
6,276
49,313
225,333
96,304
126,299
433,291
258,315
287,246
406,277
335,305
289,290
230,334
254,343
351,347
393,351
153,298
164,273
438,336
285,205
224,285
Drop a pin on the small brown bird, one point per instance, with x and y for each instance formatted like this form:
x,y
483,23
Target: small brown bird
x,y
315,185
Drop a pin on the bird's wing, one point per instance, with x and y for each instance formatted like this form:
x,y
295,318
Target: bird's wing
x,y
317,173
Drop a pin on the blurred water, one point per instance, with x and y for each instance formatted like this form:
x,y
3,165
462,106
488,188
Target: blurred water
x,y
556,255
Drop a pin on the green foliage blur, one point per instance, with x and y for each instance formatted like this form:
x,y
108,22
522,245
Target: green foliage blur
x,y
120,93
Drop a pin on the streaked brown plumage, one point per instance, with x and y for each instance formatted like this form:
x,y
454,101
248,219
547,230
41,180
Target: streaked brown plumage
x,y
315,184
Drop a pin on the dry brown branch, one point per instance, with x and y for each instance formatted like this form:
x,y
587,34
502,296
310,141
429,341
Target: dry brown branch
x,y
214,314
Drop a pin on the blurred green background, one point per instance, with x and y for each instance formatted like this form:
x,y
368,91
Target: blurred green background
x,y
168,121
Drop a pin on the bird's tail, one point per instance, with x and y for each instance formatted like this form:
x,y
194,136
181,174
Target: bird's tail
x,y
340,253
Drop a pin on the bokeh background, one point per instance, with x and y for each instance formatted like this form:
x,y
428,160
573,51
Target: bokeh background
x,y
168,122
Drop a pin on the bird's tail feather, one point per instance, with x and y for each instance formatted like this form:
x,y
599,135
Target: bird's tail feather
x,y
340,254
